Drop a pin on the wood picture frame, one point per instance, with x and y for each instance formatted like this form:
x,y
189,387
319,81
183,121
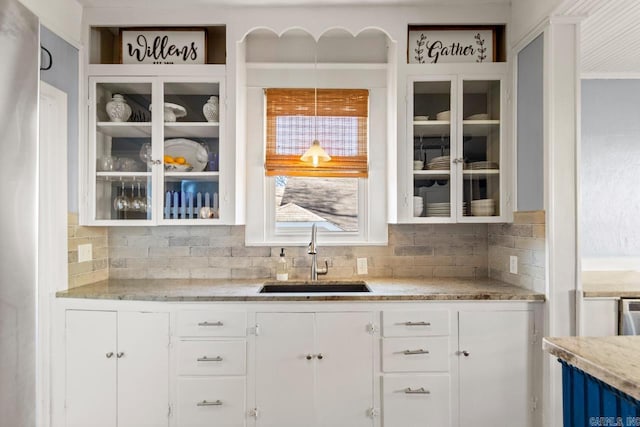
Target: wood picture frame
x,y
171,53
455,44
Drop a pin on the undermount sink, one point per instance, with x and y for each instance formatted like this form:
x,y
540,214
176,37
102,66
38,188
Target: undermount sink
x,y
314,287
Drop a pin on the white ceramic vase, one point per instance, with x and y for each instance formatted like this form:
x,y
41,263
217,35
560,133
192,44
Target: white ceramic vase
x,y
117,109
211,109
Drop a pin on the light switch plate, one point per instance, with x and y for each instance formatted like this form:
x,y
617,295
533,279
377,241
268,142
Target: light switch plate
x,y
361,264
513,264
85,252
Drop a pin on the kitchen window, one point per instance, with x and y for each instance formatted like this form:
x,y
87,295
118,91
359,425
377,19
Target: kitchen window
x,y
345,197
334,195
327,193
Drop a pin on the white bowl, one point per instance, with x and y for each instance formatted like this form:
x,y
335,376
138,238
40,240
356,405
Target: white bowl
x,y
172,167
420,118
194,153
444,115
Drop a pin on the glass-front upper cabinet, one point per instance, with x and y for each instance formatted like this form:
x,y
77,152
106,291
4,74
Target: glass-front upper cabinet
x,y
155,150
191,152
455,149
432,148
481,148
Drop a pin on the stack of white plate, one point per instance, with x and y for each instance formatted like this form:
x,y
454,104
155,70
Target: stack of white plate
x,y
418,206
439,163
439,209
420,118
483,207
483,116
481,165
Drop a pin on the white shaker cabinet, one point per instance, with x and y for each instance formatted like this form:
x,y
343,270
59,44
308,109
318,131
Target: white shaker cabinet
x,y
117,369
495,368
314,369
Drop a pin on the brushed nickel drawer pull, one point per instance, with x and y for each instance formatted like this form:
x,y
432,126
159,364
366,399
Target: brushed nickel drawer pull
x,y
419,351
205,403
420,390
210,359
417,323
218,323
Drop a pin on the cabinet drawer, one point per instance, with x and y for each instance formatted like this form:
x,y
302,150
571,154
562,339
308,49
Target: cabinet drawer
x,y
417,323
429,354
194,323
211,357
206,402
416,401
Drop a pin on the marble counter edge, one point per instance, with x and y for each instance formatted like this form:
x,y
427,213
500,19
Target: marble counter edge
x,y
238,290
594,369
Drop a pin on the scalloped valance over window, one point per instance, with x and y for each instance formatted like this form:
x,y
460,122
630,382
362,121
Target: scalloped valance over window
x,y
339,119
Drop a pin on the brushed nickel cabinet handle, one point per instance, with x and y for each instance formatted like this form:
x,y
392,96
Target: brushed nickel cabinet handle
x,y
109,355
417,323
309,357
419,351
420,390
120,355
206,403
210,359
320,356
465,353
218,323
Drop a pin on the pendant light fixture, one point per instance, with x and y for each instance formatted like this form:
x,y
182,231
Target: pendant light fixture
x,y
315,153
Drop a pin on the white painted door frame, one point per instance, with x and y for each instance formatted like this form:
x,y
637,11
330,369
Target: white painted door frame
x,y
52,232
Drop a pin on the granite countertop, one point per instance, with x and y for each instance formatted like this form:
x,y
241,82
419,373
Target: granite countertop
x,y
611,284
247,290
613,360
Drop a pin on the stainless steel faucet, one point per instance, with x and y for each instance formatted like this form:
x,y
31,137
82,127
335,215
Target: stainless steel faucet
x,y
313,251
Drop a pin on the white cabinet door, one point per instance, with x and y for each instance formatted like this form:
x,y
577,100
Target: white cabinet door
x,y
91,368
143,369
284,376
495,379
599,317
344,363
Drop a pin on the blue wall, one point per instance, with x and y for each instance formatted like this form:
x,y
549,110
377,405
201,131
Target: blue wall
x,y
610,169
64,75
530,127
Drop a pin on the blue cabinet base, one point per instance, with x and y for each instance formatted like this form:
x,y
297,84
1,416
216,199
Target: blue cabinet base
x,y
587,401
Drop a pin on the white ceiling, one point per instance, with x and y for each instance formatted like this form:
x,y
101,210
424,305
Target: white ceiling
x,y
610,35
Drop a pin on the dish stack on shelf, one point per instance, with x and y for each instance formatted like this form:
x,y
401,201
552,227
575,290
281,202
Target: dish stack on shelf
x,y
442,209
481,165
418,205
483,207
439,209
420,118
439,163
482,116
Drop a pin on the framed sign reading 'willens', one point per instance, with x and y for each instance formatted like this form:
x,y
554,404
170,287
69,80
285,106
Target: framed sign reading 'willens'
x,y
461,44
163,46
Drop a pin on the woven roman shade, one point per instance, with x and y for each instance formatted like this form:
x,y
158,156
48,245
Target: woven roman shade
x,y
341,126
